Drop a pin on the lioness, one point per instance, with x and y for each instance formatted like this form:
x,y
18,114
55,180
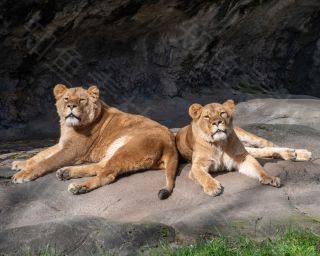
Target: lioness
x,y
212,144
108,141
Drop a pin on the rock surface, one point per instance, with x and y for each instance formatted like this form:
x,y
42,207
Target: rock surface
x,y
84,235
144,52
245,206
305,112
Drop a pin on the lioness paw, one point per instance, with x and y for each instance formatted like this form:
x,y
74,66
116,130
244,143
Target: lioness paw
x,y
21,177
18,165
303,155
272,181
289,154
77,189
213,189
63,173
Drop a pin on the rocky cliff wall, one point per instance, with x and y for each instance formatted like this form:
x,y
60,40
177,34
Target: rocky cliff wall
x,y
147,54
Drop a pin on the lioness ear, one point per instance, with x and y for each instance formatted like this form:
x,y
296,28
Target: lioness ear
x,y
195,110
229,104
94,93
59,90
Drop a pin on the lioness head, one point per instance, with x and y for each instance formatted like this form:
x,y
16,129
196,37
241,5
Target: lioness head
x,y
212,122
77,107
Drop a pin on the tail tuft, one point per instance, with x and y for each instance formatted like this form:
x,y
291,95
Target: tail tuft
x,y
163,194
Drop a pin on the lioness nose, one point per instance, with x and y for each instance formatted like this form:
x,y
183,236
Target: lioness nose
x,y
72,106
217,122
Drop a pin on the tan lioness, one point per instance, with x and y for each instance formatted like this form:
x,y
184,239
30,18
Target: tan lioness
x,y
108,141
212,144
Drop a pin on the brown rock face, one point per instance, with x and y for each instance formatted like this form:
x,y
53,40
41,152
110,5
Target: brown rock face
x,y
141,51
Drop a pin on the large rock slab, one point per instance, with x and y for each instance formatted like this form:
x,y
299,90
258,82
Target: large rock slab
x,y
46,207
243,204
279,111
83,235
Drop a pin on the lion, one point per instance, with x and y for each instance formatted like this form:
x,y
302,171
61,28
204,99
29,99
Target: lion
x,y
101,141
213,144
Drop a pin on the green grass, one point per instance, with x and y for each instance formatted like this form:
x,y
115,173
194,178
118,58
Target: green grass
x,y
291,243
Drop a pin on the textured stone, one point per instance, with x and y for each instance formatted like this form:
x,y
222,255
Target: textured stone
x,y
6,173
245,206
304,112
84,235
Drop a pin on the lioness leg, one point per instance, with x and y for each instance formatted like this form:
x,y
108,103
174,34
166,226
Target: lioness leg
x,y
22,164
72,172
200,172
272,152
282,153
128,158
261,148
100,180
251,167
252,140
44,162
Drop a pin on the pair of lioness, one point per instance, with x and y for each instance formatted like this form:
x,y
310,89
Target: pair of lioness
x,y
101,141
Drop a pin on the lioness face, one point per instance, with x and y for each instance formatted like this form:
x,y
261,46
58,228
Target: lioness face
x,y
77,106
213,122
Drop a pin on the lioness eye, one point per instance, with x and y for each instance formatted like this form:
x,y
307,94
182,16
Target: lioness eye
x,y
66,99
82,100
223,114
206,117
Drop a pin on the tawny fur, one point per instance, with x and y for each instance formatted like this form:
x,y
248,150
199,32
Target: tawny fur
x,y
103,142
212,144
261,148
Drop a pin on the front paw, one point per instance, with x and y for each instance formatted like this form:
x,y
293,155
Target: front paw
x,y
213,188
63,173
22,176
18,165
271,180
77,189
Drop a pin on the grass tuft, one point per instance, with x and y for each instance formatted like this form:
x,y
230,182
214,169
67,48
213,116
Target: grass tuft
x,y
290,243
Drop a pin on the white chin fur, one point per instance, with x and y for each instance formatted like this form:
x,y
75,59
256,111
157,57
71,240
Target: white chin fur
x,y
72,121
219,136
